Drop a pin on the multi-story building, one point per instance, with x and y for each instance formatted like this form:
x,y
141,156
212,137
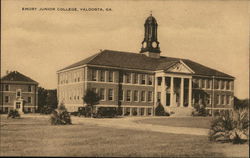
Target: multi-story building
x,y
18,92
139,81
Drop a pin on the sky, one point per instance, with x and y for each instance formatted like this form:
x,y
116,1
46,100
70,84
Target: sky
x,y
39,43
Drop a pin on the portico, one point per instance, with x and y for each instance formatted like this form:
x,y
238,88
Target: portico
x,y
174,90
173,86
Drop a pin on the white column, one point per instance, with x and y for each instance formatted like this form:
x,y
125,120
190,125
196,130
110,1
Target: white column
x,y
123,111
163,91
138,112
190,93
172,91
182,92
130,111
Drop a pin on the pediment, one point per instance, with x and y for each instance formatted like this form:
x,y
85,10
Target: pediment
x,y
180,67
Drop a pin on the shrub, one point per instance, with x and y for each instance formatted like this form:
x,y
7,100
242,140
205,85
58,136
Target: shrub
x,y
199,110
134,113
60,116
230,126
46,110
13,114
160,111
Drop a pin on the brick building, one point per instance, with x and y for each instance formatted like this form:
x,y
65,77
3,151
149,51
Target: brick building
x,y
18,92
139,81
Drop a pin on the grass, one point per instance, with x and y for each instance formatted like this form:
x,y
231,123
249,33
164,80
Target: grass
x,y
195,122
36,137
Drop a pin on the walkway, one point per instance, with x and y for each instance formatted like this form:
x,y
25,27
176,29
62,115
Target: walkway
x,y
129,123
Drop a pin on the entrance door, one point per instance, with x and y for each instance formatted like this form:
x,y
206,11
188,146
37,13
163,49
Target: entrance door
x,y
19,106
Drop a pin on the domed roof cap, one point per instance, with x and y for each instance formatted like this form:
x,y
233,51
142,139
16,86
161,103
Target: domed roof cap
x,y
150,20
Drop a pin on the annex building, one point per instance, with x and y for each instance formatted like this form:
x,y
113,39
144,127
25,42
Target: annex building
x,y
19,92
140,81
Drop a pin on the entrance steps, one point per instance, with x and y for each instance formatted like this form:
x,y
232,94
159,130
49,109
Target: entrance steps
x,y
179,111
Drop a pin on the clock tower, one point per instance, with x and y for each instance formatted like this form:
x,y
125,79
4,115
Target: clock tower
x,y
150,44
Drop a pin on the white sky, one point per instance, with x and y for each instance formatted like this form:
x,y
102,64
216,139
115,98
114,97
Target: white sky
x,y
38,43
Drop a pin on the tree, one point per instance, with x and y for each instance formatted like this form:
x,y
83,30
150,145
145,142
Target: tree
x,y
91,99
241,103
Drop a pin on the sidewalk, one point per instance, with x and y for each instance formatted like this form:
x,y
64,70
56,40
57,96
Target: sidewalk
x,y
128,123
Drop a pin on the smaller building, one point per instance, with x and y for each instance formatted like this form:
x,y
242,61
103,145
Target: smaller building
x,y
18,92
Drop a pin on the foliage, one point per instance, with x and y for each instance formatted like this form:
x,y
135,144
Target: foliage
x,y
160,111
91,98
241,103
13,114
45,110
105,112
60,116
199,110
230,126
47,98
134,113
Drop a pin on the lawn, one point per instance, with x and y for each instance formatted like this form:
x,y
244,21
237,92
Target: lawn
x,y
195,122
36,137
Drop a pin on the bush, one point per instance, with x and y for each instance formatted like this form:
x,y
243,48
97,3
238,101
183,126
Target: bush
x,y
230,126
160,111
199,110
13,114
46,110
105,112
134,113
60,116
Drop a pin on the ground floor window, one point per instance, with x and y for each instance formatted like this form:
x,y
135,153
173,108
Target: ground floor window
x,y
6,109
149,111
142,111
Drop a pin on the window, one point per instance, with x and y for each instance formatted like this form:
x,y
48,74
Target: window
x,y
121,95
228,99
94,90
128,95
223,99
202,83
150,96
143,80
159,80
18,105
121,77
136,96
102,94
29,88
93,77
29,109
102,76
128,77
159,96
209,82
110,94
209,99
6,99
6,109
223,84
232,85
110,76
227,85
7,88
29,99
78,79
18,93
136,78
78,97
143,96
150,78
216,86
